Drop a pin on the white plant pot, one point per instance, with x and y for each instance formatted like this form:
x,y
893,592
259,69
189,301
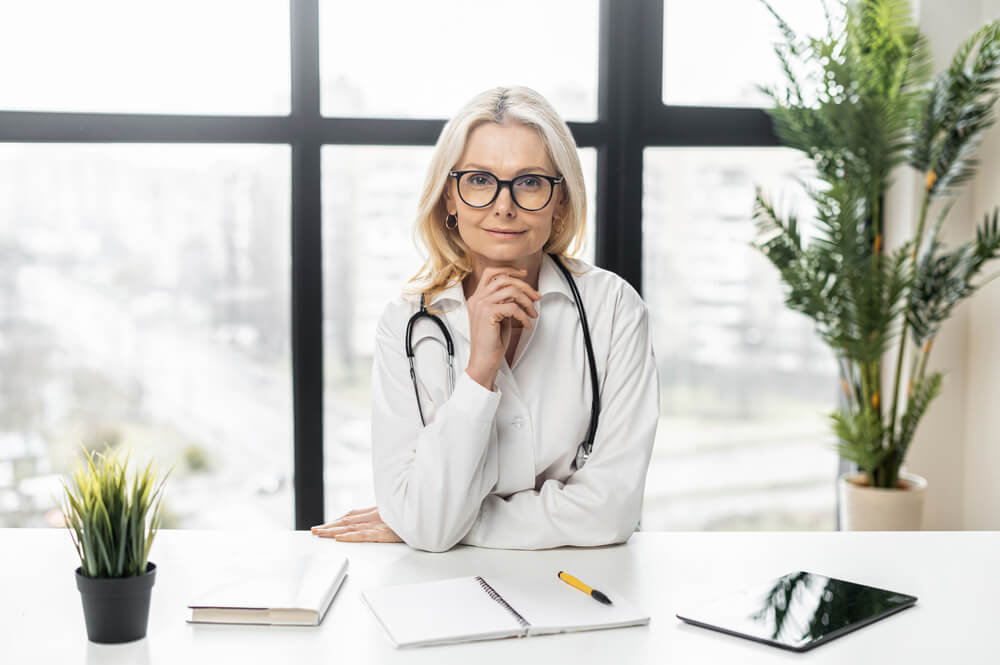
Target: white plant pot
x,y
864,508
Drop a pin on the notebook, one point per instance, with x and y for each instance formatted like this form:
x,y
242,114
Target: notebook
x,y
290,590
464,609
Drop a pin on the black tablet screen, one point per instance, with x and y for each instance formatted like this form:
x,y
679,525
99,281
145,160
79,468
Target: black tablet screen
x,y
799,610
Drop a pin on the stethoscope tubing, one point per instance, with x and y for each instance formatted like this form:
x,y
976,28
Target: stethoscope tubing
x,y
595,402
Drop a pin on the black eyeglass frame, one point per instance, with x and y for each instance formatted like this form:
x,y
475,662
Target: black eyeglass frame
x,y
553,181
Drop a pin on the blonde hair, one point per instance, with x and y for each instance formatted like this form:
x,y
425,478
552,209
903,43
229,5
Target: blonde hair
x,y
448,258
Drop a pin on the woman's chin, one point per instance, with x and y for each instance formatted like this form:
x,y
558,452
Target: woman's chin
x,y
505,253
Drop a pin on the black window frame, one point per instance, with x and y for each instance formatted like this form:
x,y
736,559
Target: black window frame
x,y
631,117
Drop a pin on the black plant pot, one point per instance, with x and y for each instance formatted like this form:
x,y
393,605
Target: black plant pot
x,y
116,609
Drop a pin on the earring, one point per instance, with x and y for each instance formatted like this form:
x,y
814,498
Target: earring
x,y
451,222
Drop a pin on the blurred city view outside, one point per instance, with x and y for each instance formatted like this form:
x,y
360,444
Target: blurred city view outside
x,y
145,292
428,58
119,56
144,296
743,440
732,55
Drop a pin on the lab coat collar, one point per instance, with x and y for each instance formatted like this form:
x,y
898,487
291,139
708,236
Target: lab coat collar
x,y
550,280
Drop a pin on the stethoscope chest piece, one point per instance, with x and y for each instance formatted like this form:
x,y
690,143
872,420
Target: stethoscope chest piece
x,y
582,455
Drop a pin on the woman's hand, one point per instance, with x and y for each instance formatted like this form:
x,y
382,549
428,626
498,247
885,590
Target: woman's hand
x,y
502,300
358,526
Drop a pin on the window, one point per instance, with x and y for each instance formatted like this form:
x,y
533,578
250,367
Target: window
x,y
144,295
425,59
713,62
183,56
745,383
150,265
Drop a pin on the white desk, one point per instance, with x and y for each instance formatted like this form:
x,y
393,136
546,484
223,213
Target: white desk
x,y
954,574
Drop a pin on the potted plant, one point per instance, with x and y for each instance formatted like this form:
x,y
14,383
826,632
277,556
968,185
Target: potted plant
x,y
112,523
859,102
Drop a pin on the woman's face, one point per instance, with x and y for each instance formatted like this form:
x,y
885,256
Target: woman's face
x,y
502,232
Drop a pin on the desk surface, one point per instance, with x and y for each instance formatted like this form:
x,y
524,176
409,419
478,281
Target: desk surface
x,y
954,574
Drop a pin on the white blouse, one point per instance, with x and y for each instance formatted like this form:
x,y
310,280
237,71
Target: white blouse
x,y
492,468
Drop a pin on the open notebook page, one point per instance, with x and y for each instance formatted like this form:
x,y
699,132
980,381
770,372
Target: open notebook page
x,y
552,606
439,612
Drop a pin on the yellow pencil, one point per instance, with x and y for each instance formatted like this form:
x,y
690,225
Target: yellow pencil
x,y
590,591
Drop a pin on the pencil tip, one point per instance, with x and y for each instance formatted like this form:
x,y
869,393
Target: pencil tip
x,y
597,595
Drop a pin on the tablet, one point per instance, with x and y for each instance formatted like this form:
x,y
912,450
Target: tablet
x,y
798,611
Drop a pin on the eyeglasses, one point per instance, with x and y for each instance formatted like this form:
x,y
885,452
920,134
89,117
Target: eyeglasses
x,y
531,191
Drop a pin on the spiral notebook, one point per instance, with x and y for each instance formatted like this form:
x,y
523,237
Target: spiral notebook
x,y
464,609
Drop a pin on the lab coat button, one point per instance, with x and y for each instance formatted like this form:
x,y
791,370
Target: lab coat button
x,y
517,422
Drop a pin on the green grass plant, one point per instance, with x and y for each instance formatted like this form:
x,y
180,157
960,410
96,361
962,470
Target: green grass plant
x,y
112,520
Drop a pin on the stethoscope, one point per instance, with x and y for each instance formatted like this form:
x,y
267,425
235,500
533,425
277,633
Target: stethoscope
x,y
587,446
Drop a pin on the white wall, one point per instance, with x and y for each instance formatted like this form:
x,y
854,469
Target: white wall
x,y
956,447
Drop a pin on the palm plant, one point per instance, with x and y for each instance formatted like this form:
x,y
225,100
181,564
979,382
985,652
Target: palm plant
x,y
860,101
107,516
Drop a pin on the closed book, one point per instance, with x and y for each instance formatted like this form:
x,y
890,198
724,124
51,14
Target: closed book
x,y
464,609
294,591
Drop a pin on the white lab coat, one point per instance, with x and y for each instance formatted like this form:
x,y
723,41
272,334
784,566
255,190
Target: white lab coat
x,y
492,468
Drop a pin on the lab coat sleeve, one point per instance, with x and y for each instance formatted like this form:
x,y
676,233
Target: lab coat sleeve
x,y
429,481
601,503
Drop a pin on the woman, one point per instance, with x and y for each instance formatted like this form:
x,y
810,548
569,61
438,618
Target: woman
x,y
496,463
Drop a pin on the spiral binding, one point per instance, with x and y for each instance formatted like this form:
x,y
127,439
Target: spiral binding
x,y
497,597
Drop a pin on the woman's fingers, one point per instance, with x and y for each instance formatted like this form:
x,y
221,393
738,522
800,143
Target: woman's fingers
x,y
490,321
322,526
334,531
334,527
362,532
345,527
514,311
512,293
361,514
380,534
486,279
358,518
362,525
359,511
506,281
